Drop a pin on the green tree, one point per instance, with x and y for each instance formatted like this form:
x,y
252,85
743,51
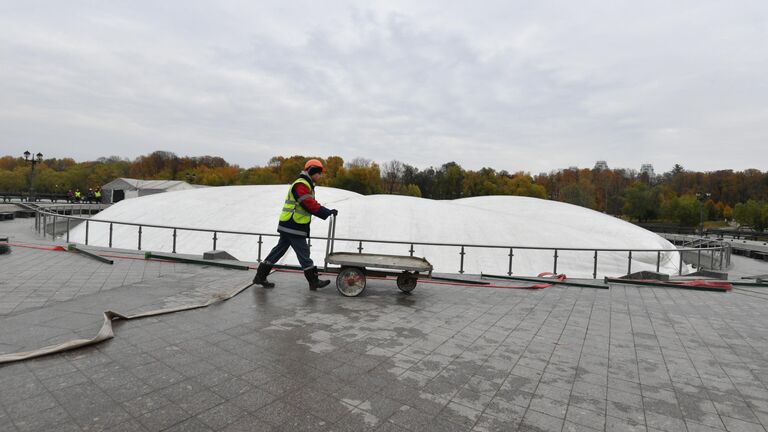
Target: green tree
x,y
13,181
259,176
752,213
332,166
521,184
450,181
641,202
363,178
481,183
410,190
682,210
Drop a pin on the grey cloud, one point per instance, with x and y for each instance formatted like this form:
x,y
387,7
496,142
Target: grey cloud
x,y
508,85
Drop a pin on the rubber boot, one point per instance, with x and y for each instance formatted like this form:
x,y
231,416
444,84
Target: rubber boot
x,y
314,279
261,276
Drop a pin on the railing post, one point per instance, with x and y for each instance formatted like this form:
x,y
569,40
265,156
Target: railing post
x,y
461,266
87,228
629,263
722,252
53,230
139,237
712,260
554,270
360,247
214,240
511,255
110,234
411,250
680,266
68,229
258,259
658,261
698,260
174,241
594,270
45,224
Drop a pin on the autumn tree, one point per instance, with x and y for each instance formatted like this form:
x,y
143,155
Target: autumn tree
x,y
360,175
392,176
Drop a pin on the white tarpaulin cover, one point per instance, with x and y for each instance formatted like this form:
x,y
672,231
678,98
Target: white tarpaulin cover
x,y
509,221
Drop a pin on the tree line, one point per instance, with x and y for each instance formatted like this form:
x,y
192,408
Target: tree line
x,y
678,196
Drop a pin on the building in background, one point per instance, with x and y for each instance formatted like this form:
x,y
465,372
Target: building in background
x,y
647,169
601,165
124,188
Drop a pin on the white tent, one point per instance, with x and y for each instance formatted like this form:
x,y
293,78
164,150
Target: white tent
x,y
505,221
124,188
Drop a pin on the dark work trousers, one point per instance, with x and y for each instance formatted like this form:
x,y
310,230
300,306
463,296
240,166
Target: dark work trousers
x,y
299,245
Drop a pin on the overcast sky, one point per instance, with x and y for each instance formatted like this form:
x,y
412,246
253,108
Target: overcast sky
x,y
514,85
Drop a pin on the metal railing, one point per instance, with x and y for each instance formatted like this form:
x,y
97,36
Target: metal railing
x,y
713,255
80,208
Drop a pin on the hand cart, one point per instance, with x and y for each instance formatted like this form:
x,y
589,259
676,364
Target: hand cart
x,y
351,282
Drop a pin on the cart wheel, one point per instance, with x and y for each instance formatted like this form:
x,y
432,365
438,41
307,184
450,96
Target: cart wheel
x,y
350,282
406,282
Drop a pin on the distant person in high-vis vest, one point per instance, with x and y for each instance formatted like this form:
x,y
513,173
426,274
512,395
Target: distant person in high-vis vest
x,y
300,205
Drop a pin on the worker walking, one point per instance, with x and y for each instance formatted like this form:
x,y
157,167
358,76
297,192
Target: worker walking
x,y
300,205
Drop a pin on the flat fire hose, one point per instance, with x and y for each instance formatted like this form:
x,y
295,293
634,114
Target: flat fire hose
x,y
699,284
106,332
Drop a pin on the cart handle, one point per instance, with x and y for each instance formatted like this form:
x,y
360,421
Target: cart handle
x,y
331,239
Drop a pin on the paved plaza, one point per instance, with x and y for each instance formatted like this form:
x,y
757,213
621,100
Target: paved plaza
x,y
446,358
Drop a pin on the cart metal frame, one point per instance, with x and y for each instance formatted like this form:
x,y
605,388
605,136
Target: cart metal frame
x,y
354,267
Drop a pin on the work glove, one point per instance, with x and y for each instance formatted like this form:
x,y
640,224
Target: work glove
x,y
334,212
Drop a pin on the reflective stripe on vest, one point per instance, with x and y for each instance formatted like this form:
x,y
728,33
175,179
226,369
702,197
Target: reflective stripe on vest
x,y
292,208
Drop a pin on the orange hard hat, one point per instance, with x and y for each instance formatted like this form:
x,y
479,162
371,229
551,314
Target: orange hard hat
x,y
314,163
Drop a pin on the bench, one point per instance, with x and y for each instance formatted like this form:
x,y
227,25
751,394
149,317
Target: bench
x,y
7,215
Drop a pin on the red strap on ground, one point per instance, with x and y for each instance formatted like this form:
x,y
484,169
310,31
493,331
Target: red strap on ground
x,y
53,248
700,283
61,248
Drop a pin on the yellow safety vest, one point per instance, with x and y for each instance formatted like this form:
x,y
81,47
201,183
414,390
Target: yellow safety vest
x,y
293,208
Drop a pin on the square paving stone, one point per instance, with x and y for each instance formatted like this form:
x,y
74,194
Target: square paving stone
x,y
199,402
537,421
145,403
190,425
319,404
356,421
411,418
249,423
736,425
549,406
43,420
221,415
163,418
254,399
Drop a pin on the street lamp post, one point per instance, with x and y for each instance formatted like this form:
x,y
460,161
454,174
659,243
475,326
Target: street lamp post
x,y
702,196
34,161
